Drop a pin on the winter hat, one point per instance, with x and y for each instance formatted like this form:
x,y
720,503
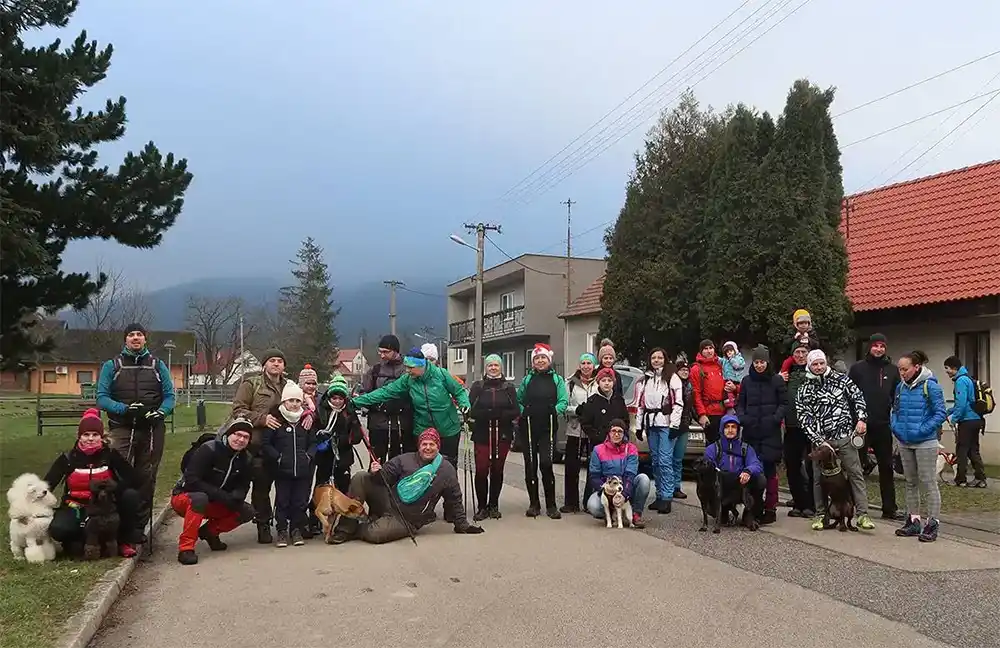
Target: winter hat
x,y
91,422
814,355
273,352
307,373
606,372
135,327
338,385
607,348
493,358
430,351
681,362
291,390
390,342
800,315
729,418
618,423
239,424
588,357
760,352
430,434
736,348
542,349
705,344
877,337
801,343
414,358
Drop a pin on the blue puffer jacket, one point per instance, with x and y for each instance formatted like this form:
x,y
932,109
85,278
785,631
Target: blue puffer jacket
x,y
918,409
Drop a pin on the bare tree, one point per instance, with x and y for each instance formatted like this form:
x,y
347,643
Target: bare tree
x,y
117,305
216,325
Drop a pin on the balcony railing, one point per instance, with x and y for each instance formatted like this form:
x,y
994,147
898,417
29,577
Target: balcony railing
x,y
496,325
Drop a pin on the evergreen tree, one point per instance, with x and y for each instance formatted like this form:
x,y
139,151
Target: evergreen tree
x,y
52,190
306,314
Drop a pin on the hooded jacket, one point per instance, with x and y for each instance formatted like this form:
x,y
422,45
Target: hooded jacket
x,y
918,410
965,398
728,455
761,408
577,393
430,395
611,459
828,406
877,378
535,397
659,403
78,469
290,448
342,428
445,485
709,386
494,401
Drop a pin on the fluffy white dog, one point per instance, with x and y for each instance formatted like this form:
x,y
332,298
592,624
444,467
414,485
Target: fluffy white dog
x,y
31,505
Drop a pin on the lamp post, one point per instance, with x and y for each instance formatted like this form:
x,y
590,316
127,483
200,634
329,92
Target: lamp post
x,y
189,356
170,346
479,248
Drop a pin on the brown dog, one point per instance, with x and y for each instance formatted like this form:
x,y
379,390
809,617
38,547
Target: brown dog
x,y
836,488
330,505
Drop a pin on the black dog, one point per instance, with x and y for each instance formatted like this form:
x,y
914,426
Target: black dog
x,y
100,532
720,498
836,489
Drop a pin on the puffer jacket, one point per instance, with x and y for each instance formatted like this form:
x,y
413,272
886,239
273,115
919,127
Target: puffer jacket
x,y
494,403
828,406
709,387
578,392
918,409
290,449
761,408
609,459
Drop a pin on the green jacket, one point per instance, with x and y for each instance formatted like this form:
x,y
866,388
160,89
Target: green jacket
x,y
562,393
431,396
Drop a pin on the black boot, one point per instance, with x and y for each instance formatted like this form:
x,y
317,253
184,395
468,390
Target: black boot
x,y
665,507
495,512
347,529
534,507
553,512
481,514
549,486
214,543
188,557
264,533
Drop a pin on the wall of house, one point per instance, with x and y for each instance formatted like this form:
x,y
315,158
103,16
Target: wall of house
x,y
578,331
937,340
69,384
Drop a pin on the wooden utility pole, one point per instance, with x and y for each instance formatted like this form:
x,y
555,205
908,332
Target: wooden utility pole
x,y
480,229
392,303
569,202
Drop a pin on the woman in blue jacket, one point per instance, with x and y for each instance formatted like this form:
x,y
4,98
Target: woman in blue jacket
x,y
917,415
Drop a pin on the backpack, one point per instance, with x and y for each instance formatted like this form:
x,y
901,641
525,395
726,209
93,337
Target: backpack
x,y
983,402
719,452
153,362
201,440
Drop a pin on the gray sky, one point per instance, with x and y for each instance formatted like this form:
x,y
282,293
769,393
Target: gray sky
x,y
364,123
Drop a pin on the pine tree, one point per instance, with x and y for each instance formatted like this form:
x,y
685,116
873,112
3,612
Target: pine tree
x,y
306,314
52,190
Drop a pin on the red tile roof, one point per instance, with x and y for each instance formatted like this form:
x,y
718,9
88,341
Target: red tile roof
x,y
347,355
589,301
929,240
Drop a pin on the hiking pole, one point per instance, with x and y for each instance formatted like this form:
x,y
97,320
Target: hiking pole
x,y
385,482
530,463
469,466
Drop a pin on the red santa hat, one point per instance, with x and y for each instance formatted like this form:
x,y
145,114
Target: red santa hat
x,y
542,349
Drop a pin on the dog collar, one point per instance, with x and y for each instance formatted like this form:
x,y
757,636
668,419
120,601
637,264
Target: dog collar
x,y
830,472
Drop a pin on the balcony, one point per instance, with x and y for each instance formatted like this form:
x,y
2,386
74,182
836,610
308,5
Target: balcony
x,y
496,325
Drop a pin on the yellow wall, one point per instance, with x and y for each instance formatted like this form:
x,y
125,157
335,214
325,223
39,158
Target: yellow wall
x,y
67,384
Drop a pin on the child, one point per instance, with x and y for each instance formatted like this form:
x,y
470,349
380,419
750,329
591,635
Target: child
x,y
290,449
598,411
802,333
738,462
733,370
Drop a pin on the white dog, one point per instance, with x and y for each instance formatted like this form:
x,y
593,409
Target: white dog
x,y
945,462
614,498
31,507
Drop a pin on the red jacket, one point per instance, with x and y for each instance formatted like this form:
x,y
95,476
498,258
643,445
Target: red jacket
x,y
709,387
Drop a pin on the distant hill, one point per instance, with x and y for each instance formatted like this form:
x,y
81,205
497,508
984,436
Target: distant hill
x,y
363,306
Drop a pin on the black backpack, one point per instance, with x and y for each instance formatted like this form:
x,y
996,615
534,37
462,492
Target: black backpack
x,y
202,439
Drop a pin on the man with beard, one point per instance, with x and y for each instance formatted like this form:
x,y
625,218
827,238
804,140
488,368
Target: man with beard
x,y
254,400
876,376
390,423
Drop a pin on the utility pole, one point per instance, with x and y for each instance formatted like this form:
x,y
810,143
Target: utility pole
x,y
243,355
569,202
392,303
480,229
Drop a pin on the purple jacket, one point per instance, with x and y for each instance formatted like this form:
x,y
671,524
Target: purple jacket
x,y
728,455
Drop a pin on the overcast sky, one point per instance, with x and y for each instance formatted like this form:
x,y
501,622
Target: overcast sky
x,y
380,127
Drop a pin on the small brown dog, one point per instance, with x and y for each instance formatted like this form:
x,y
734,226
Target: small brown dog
x,y
330,505
836,488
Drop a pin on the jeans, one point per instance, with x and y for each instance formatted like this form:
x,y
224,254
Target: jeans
x,y
680,448
661,451
291,497
640,493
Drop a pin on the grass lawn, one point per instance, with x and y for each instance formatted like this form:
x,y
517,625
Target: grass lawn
x,y
37,599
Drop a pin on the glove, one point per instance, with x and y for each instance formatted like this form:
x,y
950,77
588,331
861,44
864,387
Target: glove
x,y
470,529
137,409
638,434
324,446
674,433
154,415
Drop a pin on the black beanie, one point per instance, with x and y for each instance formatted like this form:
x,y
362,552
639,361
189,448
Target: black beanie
x,y
705,343
760,352
273,352
135,326
877,337
390,342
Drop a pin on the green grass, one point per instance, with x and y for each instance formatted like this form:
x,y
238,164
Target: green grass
x,y
35,600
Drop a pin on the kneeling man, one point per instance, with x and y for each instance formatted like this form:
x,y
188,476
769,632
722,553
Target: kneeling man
x,y
738,463
415,482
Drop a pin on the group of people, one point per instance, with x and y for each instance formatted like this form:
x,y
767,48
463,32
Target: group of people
x,y
287,435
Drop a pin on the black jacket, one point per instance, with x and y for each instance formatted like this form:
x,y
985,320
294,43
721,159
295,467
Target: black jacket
x,y
75,459
218,471
290,449
398,412
494,401
346,426
877,379
598,412
688,414
761,408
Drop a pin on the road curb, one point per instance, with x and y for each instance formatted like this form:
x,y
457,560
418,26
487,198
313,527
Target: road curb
x,y
80,628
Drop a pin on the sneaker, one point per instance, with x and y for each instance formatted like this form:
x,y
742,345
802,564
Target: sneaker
x,y
679,494
264,533
187,557
769,517
929,532
817,524
897,516
910,529
666,506
534,510
637,521
569,509
495,513
282,539
959,484
979,483
795,513
127,551
481,514
214,543
553,512
865,522
297,539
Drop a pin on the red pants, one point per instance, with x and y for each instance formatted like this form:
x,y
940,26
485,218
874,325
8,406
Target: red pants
x,y
489,472
220,518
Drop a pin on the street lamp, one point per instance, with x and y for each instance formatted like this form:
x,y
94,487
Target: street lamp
x,y
479,248
189,356
170,346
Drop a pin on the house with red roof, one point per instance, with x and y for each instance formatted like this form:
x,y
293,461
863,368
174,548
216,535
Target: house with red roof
x,y
582,321
352,364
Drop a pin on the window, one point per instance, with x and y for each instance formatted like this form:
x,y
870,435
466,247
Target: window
x,y
459,355
591,342
49,376
973,349
506,304
84,377
508,365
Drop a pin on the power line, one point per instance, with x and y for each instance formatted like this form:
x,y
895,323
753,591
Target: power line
x,y
526,267
418,292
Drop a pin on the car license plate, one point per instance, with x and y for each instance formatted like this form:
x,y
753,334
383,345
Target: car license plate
x,y
697,436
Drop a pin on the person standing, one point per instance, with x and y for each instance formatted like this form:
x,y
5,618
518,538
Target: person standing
x,y
968,425
796,445
494,409
255,398
710,390
579,388
877,378
761,408
680,422
660,400
135,390
390,423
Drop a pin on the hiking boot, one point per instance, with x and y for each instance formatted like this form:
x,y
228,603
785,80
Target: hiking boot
x,y
666,506
979,483
910,529
638,522
569,509
264,533
297,539
897,516
769,517
796,513
930,531
865,522
495,512
448,518
188,557
808,513
679,494
534,510
346,530
481,514
553,512
214,543
817,523
282,539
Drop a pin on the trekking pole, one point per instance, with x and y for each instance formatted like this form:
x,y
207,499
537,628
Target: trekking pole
x,y
530,461
467,477
385,482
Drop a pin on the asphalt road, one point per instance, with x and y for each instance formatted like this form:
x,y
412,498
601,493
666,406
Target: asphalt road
x,y
569,582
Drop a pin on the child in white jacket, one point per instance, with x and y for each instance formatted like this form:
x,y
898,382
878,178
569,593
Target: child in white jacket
x,y
659,404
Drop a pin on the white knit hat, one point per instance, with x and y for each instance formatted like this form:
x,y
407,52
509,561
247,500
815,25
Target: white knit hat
x,y
814,355
291,390
430,351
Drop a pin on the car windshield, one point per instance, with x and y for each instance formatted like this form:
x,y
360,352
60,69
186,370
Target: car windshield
x,y
628,386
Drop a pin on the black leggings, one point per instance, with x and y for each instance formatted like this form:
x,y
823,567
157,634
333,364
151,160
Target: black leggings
x,y
576,449
538,437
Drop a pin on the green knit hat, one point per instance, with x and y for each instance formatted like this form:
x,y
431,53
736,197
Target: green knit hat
x,y
338,385
493,357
